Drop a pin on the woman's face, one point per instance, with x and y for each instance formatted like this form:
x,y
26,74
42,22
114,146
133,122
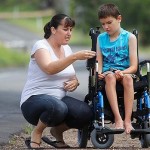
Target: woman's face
x,y
63,33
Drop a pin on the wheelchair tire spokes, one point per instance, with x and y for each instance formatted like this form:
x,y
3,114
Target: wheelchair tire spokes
x,y
101,141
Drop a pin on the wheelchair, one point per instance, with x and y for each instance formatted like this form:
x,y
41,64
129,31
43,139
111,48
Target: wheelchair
x,y
99,131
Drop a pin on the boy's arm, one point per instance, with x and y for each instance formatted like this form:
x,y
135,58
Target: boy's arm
x,y
132,55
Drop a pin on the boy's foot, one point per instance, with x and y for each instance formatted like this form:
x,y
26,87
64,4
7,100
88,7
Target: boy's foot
x,y
128,127
119,125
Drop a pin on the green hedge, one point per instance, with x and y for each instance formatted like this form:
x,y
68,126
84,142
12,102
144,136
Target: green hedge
x,y
12,58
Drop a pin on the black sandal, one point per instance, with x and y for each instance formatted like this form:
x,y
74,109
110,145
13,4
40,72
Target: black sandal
x,y
28,144
54,143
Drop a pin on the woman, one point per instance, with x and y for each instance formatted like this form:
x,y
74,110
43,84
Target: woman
x,y
50,75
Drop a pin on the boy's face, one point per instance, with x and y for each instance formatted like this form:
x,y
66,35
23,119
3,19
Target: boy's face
x,y
110,24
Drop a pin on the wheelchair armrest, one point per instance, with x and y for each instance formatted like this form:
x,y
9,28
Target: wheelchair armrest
x,y
147,64
144,62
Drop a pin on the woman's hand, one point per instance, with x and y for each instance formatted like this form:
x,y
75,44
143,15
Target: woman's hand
x,y
71,85
84,54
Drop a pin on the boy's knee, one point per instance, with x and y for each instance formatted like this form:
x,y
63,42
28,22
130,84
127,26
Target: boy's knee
x,y
110,78
127,81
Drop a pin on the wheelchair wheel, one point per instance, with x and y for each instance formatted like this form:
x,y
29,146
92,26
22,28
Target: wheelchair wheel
x,y
83,137
145,138
101,141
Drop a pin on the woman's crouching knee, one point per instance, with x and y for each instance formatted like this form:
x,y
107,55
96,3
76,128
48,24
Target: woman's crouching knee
x,y
56,116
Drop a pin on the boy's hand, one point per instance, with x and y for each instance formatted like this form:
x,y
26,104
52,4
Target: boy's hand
x,y
101,76
118,74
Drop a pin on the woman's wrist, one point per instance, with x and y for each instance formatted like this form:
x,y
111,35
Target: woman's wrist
x,y
74,56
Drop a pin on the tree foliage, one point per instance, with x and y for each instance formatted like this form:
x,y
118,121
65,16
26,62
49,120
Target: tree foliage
x,y
25,5
135,14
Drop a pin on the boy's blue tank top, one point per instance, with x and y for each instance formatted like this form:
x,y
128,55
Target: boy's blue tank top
x,y
116,53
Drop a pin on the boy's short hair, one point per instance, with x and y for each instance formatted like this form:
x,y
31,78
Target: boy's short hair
x,y
107,10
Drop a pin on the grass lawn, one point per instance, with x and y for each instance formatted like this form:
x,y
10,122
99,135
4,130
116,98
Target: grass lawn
x,y
12,58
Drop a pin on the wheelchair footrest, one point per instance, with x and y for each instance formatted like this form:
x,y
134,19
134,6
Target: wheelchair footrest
x,y
106,130
144,131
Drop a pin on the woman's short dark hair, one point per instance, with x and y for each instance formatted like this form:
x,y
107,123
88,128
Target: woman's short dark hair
x,y
107,10
55,22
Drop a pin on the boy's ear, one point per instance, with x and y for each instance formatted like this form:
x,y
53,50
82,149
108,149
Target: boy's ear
x,y
119,18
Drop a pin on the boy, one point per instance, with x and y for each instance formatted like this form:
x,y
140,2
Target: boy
x,y
117,58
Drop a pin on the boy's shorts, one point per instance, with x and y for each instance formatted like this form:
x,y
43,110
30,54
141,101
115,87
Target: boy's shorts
x,y
112,70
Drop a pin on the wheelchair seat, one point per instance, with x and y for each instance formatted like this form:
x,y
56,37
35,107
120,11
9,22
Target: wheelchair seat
x,y
138,85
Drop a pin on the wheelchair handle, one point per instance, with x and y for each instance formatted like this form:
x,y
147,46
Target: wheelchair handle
x,y
94,34
135,32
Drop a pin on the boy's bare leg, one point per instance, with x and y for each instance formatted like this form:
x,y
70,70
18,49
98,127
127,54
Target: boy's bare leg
x,y
110,88
128,101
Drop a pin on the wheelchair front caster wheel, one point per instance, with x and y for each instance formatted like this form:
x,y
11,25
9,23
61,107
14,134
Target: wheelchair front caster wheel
x,y
101,141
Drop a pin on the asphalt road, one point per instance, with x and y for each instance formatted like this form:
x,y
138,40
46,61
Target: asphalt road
x,y
15,36
11,120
